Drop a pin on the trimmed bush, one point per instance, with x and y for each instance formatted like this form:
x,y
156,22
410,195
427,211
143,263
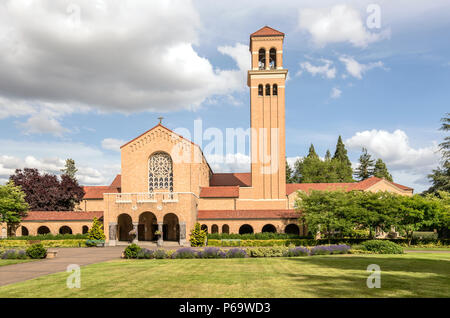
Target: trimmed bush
x,y
145,253
255,236
198,236
37,251
330,249
297,251
45,243
160,254
131,251
211,252
382,247
47,237
275,251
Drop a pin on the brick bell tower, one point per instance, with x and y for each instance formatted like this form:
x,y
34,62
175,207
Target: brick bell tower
x,y
267,80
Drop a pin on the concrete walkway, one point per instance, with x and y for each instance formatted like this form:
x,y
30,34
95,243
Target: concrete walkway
x,y
81,256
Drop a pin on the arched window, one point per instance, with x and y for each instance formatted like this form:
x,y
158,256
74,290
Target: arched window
x,y
260,90
204,227
160,175
225,229
246,229
65,230
262,59
292,229
24,231
275,89
269,228
214,229
273,59
85,229
43,230
268,90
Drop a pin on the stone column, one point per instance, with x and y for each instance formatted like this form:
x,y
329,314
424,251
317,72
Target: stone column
x,y
160,238
112,233
182,233
135,228
268,59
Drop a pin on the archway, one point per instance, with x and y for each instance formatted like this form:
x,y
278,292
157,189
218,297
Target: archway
x,y
147,226
214,229
65,230
269,228
124,226
85,229
171,228
204,227
24,231
292,229
225,229
246,229
43,230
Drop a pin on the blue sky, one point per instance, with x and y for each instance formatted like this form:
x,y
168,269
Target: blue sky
x,y
80,77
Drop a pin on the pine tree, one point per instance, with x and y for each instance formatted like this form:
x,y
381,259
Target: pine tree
x,y
96,232
440,177
366,165
328,156
312,153
381,171
289,173
342,163
198,236
70,169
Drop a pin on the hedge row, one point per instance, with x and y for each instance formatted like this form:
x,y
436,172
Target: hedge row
x,y
45,243
312,242
255,236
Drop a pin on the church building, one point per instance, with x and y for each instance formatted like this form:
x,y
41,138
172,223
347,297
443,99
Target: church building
x,y
166,185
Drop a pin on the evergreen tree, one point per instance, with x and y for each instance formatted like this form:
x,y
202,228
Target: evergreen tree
x,y
289,173
328,156
312,153
440,177
70,169
96,232
381,171
198,236
309,169
342,163
366,166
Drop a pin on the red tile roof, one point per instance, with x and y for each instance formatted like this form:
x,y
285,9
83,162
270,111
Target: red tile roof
x,y
117,182
362,185
219,192
247,214
62,216
96,192
267,31
231,179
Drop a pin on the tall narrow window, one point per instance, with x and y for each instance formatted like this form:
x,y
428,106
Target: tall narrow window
x,y
160,173
275,90
260,90
273,59
267,90
262,59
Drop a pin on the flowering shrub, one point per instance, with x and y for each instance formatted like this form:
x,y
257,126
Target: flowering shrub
x,y
160,254
330,249
185,252
236,253
145,253
211,252
275,251
297,251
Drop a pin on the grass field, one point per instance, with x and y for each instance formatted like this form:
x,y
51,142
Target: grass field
x,y
4,262
410,275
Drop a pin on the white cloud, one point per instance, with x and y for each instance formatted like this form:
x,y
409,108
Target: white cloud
x,y
65,52
325,70
229,163
335,93
339,23
356,69
112,144
406,163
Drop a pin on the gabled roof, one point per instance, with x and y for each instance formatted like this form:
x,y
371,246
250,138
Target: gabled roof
x,y
96,192
219,192
117,182
267,31
361,186
62,216
247,214
231,179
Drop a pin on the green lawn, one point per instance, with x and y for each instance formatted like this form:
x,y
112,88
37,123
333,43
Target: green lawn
x,y
4,262
409,275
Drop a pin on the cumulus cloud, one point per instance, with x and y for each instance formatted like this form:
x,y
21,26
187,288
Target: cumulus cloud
x,y
237,162
356,69
69,52
325,70
395,149
339,23
335,93
112,144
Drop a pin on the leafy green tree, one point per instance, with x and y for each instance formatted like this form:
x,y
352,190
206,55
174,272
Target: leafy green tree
x,y
70,169
198,236
440,177
96,231
330,213
343,164
309,169
12,203
328,156
366,166
380,171
289,173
